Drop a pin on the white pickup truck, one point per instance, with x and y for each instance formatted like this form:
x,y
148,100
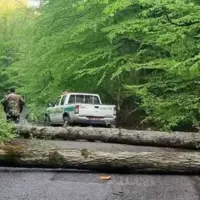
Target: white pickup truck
x,y
80,108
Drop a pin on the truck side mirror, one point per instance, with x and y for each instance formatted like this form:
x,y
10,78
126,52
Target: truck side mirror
x,y
50,105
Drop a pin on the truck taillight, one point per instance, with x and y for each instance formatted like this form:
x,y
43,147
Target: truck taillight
x,y
114,111
76,109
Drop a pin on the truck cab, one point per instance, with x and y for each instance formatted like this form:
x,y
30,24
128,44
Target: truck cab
x,y
80,108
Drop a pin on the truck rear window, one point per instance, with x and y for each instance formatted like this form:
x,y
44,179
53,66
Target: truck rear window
x,y
88,99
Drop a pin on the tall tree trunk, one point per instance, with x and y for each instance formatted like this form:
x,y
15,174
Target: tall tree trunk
x,y
122,136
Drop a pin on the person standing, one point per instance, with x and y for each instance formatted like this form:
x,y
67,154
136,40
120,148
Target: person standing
x,y
14,105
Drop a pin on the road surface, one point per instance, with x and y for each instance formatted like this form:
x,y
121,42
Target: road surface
x,y
40,184
22,184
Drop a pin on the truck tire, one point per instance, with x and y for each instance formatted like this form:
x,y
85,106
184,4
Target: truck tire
x,y
111,126
47,121
67,121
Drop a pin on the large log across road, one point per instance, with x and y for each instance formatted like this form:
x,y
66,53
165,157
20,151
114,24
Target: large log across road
x,y
122,136
36,155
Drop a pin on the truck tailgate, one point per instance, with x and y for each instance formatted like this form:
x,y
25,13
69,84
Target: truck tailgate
x,y
96,110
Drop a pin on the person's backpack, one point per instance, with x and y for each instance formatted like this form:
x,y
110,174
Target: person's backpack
x,y
13,103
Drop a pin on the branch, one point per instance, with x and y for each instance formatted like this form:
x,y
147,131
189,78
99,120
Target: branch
x,y
129,113
187,23
107,94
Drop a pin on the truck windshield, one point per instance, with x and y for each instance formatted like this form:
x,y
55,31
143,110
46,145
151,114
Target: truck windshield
x,y
87,99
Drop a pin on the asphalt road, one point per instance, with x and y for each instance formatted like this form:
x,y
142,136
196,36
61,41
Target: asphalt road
x,y
40,184
22,184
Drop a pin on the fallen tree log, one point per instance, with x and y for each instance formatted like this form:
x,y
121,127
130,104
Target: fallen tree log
x,y
121,162
122,136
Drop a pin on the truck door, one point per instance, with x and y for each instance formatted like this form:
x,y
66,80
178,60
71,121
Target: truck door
x,y
54,110
60,110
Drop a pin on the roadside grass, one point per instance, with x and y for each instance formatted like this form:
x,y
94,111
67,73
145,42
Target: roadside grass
x,y
6,128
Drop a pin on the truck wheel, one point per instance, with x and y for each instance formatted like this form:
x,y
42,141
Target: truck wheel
x,y
67,121
111,126
47,121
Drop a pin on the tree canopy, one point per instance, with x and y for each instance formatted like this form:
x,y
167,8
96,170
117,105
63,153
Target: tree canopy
x,y
141,55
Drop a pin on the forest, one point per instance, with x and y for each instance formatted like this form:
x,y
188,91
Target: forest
x,y
142,55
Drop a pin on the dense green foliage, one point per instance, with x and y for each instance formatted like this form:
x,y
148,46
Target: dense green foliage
x,y
6,131
13,41
142,55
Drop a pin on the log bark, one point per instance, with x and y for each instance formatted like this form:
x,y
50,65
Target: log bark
x,y
122,136
121,162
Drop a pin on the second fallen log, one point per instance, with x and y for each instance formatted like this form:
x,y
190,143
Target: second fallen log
x,y
35,155
122,136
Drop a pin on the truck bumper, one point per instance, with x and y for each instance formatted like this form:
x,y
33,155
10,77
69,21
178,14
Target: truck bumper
x,y
105,121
